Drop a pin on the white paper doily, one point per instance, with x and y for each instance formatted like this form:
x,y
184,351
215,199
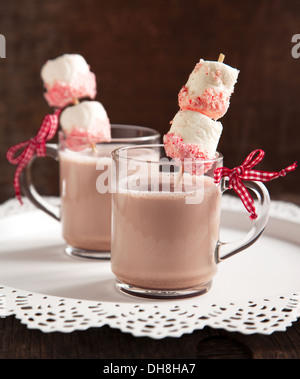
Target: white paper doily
x,y
256,291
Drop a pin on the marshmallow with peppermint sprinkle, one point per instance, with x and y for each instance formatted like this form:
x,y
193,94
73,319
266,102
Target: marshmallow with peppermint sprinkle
x,y
192,135
208,89
85,123
66,79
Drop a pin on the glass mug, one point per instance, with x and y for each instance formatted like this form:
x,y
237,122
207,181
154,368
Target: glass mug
x,y
165,229
85,211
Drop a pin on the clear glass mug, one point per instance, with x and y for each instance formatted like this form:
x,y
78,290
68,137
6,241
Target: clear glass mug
x,y
85,210
165,228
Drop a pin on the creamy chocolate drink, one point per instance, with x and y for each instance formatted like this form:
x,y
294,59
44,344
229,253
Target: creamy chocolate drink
x,y
159,241
85,187
85,213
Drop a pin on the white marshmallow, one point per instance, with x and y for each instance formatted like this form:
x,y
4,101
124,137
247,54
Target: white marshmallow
x,y
210,74
196,128
64,69
84,115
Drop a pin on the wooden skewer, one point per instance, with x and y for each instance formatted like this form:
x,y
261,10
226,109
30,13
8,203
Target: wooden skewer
x,y
94,147
221,58
179,176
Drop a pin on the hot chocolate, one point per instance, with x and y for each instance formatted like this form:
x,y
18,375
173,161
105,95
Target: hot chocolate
x,y
85,213
85,187
162,241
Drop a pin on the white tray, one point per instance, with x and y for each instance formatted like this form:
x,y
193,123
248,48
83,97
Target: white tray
x,y
256,291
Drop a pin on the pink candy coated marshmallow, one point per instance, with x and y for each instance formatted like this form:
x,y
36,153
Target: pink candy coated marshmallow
x,y
62,94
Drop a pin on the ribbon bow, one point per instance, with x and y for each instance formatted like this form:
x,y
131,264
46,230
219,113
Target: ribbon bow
x,y
36,145
244,171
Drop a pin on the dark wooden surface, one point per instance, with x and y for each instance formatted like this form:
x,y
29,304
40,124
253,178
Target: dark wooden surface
x,y
17,342
142,52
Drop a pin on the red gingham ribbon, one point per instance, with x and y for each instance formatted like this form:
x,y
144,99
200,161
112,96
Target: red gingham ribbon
x,y
237,174
36,145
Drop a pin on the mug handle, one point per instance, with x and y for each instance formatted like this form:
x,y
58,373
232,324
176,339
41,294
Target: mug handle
x,y
29,190
225,250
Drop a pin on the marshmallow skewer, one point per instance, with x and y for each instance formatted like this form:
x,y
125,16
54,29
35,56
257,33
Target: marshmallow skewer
x,y
67,79
181,170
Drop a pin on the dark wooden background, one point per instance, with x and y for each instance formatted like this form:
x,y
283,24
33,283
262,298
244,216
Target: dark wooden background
x,y
142,52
